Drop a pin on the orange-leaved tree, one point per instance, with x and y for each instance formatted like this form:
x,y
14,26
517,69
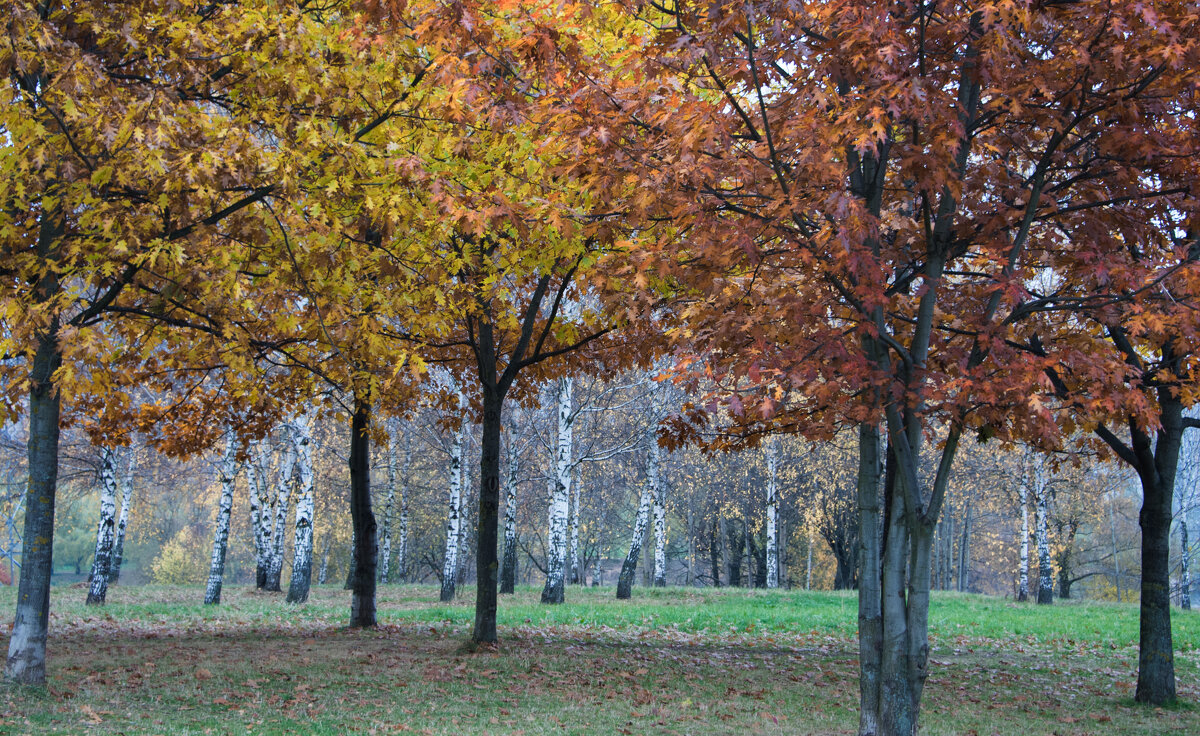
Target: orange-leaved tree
x,y
860,197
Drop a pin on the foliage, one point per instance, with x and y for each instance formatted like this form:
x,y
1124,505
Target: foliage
x,y
181,560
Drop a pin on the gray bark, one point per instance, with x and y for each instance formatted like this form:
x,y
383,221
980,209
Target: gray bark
x,y
26,662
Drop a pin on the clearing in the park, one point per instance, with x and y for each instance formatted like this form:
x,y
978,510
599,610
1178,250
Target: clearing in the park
x,y
670,661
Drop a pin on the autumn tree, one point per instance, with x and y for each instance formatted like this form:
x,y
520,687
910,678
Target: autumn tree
x,y
858,196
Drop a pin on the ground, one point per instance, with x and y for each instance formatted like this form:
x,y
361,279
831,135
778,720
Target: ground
x,y
671,661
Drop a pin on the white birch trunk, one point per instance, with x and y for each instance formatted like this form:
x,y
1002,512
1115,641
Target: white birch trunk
x,y
102,562
576,571
629,569
389,499
123,520
453,522
402,532
227,474
1185,561
465,526
1041,533
260,516
1023,565
772,515
283,492
560,490
508,576
658,491
302,543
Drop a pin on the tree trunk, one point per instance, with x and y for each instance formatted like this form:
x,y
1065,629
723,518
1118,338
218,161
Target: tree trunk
x,y
260,513
389,499
302,544
508,575
1023,564
27,643
1185,560
737,544
575,570
282,495
1041,493
659,493
102,560
772,516
560,490
964,552
454,511
714,549
122,521
362,604
488,518
402,547
323,572
870,591
629,568
227,471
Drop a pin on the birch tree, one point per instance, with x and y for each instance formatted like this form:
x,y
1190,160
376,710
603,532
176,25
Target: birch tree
x,y
123,520
508,570
772,514
629,567
453,510
389,499
402,562
102,561
1023,554
283,492
302,548
226,475
560,490
257,465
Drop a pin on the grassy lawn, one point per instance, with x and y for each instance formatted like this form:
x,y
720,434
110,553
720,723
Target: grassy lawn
x,y
670,661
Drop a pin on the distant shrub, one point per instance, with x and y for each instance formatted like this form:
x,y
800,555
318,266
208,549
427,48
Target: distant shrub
x,y
181,561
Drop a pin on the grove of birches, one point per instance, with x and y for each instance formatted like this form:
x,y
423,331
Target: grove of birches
x,y
896,297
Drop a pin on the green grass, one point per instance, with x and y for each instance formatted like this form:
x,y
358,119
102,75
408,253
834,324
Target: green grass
x,y
670,661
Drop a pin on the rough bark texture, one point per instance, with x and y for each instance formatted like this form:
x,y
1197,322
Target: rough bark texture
x,y
362,602
560,494
870,612
26,662
283,493
772,515
453,509
106,530
114,573
302,543
488,519
227,473
629,568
